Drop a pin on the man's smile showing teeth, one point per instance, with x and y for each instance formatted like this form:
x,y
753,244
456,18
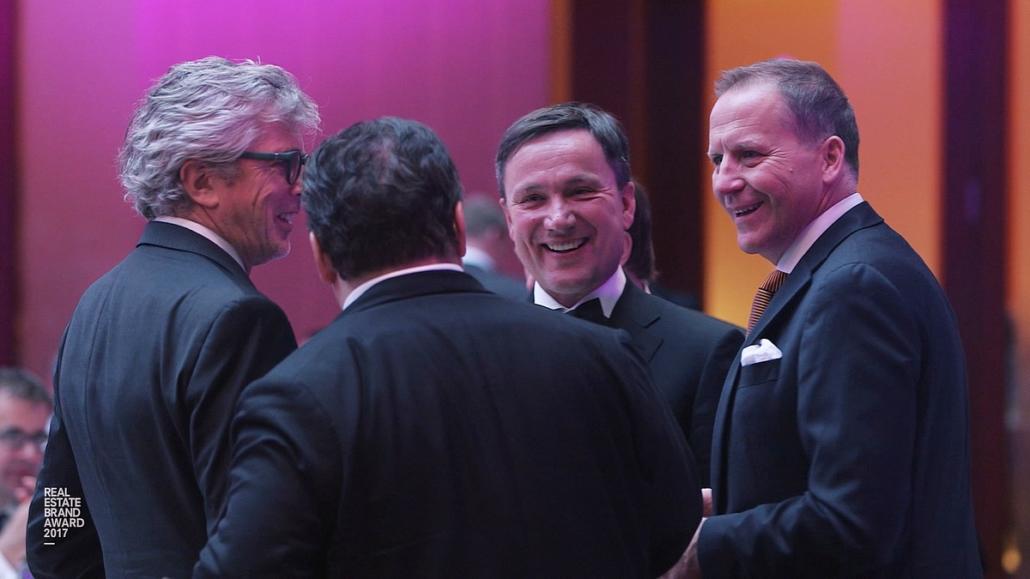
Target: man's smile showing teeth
x,y
565,246
287,217
746,210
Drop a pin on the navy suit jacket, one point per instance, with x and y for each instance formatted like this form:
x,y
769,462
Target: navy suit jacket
x,y
147,377
848,456
689,354
435,429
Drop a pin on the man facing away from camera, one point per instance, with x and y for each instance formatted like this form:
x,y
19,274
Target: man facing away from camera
x,y
158,348
436,429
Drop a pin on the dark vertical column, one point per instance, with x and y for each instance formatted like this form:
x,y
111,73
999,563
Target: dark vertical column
x,y
8,206
975,124
677,139
643,61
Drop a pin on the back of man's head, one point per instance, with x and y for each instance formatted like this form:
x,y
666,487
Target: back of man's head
x,y
382,194
210,110
566,117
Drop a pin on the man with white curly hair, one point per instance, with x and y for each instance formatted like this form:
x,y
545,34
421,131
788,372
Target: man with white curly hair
x,y
158,348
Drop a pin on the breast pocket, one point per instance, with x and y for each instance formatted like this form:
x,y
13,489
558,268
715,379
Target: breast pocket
x,y
758,374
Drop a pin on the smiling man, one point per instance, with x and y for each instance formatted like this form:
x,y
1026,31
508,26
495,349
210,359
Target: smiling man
x,y
841,446
564,177
159,347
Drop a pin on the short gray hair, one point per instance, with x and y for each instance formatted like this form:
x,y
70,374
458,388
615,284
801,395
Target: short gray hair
x,y
820,107
210,110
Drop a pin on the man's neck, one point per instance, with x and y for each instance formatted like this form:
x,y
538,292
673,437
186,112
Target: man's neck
x,y
348,290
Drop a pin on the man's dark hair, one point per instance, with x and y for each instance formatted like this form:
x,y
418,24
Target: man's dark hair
x,y
380,194
564,117
820,107
641,256
24,385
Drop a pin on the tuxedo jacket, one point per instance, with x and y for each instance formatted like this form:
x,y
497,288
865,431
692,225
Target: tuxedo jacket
x,y
147,376
848,456
688,354
435,429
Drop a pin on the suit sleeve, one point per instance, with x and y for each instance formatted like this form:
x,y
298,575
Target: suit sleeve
x,y
77,554
281,506
706,402
858,368
245,341
675,493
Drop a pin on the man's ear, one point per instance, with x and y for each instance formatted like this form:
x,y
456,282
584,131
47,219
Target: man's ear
x,y
832,158
324,263
459,227
198,181
507,217
629,203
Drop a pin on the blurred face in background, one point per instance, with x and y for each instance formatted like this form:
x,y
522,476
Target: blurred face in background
x,y
23,432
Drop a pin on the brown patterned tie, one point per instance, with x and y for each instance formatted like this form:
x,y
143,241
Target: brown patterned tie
x,y
763,296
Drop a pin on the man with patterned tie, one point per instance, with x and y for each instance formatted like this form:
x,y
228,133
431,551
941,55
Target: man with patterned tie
x,y
841,440
563,173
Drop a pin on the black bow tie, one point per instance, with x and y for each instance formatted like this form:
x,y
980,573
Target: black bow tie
x,y
591,311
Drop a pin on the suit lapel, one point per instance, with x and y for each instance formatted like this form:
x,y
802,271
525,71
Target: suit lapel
x,y
859,217
635,313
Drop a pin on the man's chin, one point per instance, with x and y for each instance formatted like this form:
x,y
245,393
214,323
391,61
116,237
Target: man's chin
x,y
566,289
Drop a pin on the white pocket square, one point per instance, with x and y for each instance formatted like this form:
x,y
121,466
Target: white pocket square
x,y
763,351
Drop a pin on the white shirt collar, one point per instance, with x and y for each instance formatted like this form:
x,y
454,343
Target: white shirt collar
x,y
361,289
608,293
206,232
813,231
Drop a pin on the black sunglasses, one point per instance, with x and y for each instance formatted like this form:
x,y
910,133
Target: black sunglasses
x,y
292,161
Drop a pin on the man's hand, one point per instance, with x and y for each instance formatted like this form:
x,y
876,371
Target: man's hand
x,y
706,500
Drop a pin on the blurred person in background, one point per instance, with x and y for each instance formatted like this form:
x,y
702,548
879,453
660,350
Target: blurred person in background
x,y
25,407
486,239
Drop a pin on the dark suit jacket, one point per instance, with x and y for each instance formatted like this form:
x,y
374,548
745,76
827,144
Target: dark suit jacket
x,y
148,372
498,283
848,456
435,429
688,353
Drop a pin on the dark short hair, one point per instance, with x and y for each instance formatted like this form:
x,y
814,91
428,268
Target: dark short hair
x,y
382,193
24,385
564,117
641,256
820,107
